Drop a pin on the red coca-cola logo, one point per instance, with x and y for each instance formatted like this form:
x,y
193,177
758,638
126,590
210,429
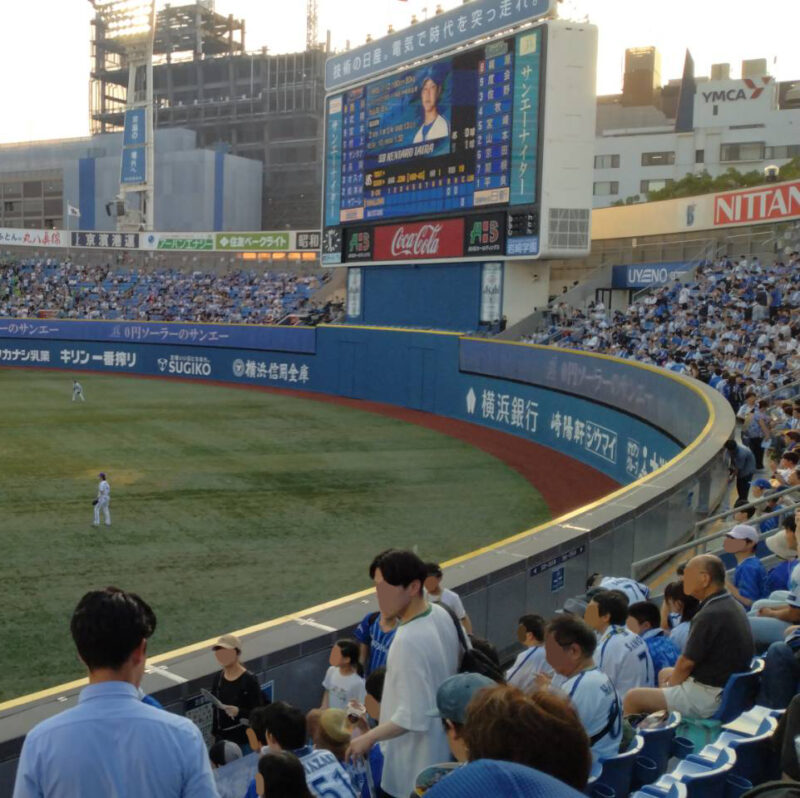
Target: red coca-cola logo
x,y
424,242
420,240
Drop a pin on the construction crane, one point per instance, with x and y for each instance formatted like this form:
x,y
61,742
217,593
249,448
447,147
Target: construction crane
x,y
312,24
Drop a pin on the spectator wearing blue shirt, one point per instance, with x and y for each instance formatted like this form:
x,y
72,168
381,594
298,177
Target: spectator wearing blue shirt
x,y
112,743
644,619
375,634
742,467
283,728
750,577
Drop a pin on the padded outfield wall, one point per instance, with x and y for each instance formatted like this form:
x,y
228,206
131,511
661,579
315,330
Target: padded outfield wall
x,y
657,435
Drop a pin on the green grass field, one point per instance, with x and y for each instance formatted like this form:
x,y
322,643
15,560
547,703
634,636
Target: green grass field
x,y
228,507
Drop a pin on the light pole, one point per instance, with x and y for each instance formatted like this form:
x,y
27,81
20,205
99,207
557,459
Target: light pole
x,y
131,25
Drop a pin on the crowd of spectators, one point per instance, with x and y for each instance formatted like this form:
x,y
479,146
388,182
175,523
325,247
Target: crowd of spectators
x,y
73,290
422,722
734,324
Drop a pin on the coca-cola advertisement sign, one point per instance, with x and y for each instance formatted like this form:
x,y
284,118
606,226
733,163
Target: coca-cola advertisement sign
x,y
420,240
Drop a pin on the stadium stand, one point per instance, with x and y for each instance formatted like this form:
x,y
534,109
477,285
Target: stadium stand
x,y
733,325
71,290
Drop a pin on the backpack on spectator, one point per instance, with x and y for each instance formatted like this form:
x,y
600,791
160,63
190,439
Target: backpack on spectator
x,y
472,660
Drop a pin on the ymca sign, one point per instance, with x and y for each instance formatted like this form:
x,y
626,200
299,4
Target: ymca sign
x,y
761,204
751,90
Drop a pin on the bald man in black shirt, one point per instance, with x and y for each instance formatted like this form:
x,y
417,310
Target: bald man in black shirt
x,y
720,644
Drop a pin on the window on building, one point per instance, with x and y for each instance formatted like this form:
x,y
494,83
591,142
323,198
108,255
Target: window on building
x,y
606,161
32,188
744,151
699,156
606,188
658,158
782,151
654,185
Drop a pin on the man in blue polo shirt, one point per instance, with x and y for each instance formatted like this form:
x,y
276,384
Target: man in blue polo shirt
x,y
750,577
112,743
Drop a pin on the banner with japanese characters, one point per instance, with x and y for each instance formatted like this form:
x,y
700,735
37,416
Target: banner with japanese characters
x,y
251,336
474,20
525,146
19,237
264,241
178,242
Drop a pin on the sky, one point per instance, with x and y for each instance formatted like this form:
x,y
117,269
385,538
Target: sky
x,y
44,44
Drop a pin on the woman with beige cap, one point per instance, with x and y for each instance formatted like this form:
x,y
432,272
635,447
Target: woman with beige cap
x,y
238,690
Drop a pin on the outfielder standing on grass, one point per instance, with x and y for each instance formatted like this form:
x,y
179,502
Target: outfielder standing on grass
x,y
102,500
77,392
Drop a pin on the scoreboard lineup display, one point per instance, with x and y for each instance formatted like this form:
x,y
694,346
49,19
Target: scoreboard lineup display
x,y
457,135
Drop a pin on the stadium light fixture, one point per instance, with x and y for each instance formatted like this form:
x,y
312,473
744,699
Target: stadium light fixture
x,y
128,20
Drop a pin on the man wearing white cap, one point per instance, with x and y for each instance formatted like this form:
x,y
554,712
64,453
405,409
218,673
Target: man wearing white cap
x,y
102,500
749,582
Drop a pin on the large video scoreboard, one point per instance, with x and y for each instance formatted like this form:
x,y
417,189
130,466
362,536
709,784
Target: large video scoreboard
x,y
454,142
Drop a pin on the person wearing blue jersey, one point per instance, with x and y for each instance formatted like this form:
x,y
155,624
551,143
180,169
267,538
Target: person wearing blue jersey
x,y
532,660
375,634
284,729
621,654
749,583
570,645
644,619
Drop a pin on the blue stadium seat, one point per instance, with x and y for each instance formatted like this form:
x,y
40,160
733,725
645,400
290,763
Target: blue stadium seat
x,y
661,743
738,696
674,790
703,778
754,757
617,772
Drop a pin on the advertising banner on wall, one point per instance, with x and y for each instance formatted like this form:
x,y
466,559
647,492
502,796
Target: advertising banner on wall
x,y
239,336
647,275
263,241
420,240
106,240
187,242
491,292
354,293
440,32
18,237
759,204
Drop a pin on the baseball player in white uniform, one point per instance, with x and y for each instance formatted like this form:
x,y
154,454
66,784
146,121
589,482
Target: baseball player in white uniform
x,y
77,392
102,500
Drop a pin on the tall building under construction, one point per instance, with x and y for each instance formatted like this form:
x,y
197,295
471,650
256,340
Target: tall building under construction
x,y
268,108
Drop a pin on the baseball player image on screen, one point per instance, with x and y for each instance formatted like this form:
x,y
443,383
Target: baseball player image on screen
x,y
102,501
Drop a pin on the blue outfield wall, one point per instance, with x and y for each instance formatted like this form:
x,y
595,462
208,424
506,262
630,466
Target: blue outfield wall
x,y
502,386
441,296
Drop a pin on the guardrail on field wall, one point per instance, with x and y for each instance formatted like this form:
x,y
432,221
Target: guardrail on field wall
x,y
657,434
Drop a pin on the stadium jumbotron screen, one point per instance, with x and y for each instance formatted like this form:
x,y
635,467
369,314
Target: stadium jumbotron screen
x,y
458,133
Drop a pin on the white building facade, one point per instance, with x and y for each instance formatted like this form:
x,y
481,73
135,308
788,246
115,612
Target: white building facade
x,y
736,124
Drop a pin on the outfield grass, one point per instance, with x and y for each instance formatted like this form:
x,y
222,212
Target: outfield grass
x,y
228,506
